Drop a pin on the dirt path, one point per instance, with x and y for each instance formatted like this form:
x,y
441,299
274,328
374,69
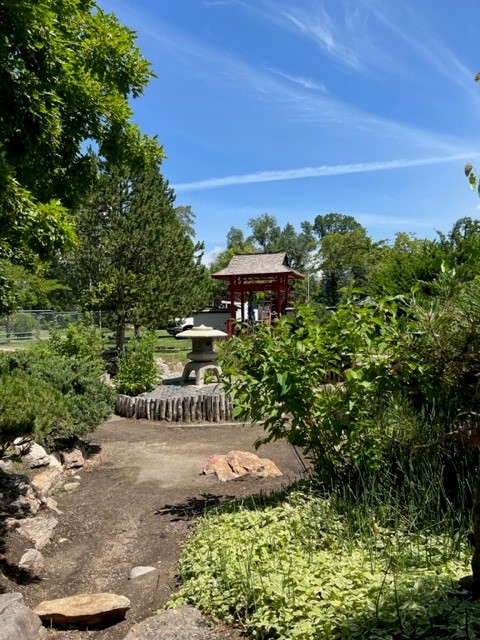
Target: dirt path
x,y
134,506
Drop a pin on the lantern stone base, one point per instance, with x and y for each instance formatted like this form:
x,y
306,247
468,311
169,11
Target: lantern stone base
x,y
200,369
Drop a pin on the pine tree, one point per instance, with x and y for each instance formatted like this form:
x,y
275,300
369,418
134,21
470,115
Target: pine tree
x,y
136,261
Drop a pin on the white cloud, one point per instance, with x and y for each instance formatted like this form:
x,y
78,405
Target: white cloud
x,y
306,83
209,256
320,171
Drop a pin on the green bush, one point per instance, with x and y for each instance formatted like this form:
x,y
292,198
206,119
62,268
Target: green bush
x,y
137,369
79,340
299,572
77,379
30,406
22,322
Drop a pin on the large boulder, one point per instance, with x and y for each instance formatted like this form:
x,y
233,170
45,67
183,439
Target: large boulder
x,y
83,610
36,456
184,623
237,464
17,621
48,481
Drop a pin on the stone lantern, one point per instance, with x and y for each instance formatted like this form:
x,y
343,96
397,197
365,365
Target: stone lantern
x,y
202,355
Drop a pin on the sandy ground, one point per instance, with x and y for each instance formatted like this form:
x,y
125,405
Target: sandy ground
x,y
138,497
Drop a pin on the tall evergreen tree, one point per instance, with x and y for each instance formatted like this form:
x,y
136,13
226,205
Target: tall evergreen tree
x,y
136,261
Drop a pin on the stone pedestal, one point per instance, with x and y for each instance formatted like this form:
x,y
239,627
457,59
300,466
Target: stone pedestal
x,y
202,356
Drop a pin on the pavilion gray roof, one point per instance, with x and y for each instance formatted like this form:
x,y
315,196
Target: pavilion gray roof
x,y
257,264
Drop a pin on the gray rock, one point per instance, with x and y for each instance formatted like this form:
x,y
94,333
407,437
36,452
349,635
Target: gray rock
x,y
83,609
137,572
17,497
39,530
72,458
70,487
32,561
55,462
17,621
184,623
48,481
36,456
22,445
5,463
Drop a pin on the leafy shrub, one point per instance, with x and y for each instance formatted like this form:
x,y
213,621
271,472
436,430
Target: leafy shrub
x,y
79,340
30,406
319,384
298,572
137,369
22,322
79,381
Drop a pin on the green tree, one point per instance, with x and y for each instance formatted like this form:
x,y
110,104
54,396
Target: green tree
x,y
345,257
67,72
408,262
265,232
329,223
135,261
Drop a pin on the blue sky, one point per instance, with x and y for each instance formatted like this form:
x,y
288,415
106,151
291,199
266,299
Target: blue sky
x,y
301,107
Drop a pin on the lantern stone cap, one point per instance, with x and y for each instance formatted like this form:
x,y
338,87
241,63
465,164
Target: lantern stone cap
x,y
202,331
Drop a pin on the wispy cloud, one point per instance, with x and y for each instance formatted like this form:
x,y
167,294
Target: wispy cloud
x,y
322,29
306,83
321,171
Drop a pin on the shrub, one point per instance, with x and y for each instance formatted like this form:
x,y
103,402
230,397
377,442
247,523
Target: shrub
x,y
77,379
79,340
137,369
22,322
30,406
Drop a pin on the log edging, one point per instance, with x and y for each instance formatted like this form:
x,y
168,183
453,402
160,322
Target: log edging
x,y
216,407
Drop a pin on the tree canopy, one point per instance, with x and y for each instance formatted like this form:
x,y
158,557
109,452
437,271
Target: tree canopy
x,y
67,72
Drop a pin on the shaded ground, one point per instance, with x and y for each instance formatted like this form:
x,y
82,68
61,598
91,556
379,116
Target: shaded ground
x,y
134,506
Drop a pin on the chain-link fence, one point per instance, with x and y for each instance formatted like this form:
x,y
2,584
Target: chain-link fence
x,y
29,324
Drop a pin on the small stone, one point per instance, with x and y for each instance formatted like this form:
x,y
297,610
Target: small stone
x,y
136,572
32,561
62,540
39,530
52,504
83,610
70,487
77,477
72,458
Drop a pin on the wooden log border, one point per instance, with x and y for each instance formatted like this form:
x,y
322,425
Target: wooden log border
x,y
194,408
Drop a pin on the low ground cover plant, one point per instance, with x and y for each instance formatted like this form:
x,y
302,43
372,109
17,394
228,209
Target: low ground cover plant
x,y
303,570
